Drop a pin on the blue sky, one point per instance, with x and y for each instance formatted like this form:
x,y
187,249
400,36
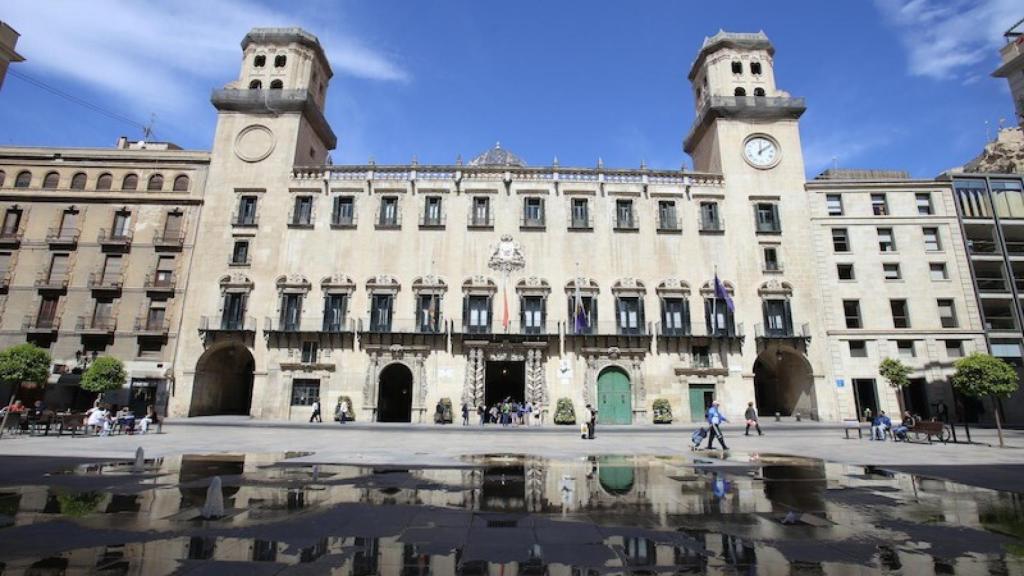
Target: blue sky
x,y
889,83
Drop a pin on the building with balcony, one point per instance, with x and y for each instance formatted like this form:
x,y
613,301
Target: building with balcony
x,y
93,243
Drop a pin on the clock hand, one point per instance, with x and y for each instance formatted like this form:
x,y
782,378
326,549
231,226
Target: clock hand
x,y
761,149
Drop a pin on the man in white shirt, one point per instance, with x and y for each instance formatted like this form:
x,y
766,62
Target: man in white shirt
x,y
316,412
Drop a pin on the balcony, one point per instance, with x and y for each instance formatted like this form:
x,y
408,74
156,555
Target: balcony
x,y
773,227
114,239
713,225
581,222
626,224
64,237
55,281
341,220
787,333
168,239
106,282
982,248
5,280
609,330
681,331
531,223
214,328
432,222
161,283
1014,249
245,220
991,284
480,221
308,325
401,326
151,327
669,224
40,325
517,331
389,221
11,238
96,326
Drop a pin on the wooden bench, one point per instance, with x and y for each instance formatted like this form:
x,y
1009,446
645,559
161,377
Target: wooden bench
x,y
929,429
852,424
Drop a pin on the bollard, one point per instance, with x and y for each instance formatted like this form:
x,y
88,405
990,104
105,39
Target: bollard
x,y
778,418
797,416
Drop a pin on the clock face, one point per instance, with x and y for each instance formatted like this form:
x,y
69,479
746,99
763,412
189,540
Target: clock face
x,y
761,152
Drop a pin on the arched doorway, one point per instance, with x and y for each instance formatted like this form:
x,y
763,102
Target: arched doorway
x,y
783,383
614,397
394,394
223,381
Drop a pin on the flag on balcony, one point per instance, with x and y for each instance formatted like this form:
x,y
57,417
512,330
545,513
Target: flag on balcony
x,y
504,308
580,319
720,292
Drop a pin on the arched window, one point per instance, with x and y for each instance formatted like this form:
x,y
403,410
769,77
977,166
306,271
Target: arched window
x,y
130,182
255,85
758,91
78,181
755,67
280,61
3,177
24,179
259,61
156,182
181,183
740,92
737,68
51,181
104,182
276,85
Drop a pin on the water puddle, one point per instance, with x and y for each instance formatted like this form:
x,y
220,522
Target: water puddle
x,y
508,514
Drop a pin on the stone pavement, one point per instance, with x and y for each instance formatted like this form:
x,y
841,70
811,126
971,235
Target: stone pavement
x,y
408,444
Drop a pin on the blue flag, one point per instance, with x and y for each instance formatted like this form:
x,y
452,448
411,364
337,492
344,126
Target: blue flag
x,y
721,293
580,318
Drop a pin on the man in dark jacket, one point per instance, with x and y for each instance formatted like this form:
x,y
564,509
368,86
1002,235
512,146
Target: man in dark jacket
x,y
751,417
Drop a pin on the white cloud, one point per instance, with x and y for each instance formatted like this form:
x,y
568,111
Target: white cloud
x,y
844,148
161,56
944,39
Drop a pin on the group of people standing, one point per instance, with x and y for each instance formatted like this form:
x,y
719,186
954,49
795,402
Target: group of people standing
x,y
508,412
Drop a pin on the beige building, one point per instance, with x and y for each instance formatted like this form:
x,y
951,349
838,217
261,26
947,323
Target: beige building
x,y
95,246
8,40
897,284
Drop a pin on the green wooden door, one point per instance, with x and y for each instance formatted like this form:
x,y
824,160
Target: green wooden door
x,y
614,404
701,396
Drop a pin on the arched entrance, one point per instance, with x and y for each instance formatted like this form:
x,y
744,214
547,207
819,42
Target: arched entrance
x,y
614,397
783,383
394,394
223,381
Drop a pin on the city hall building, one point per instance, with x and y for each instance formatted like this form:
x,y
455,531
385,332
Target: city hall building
x,y
396,287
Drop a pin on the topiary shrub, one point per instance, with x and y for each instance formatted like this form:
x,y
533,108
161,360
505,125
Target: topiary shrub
x,y
564,412
78,504
350,414
445,416
662,411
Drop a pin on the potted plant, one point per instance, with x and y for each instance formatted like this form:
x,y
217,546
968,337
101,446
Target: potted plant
x,y
662,411
564,412
350,412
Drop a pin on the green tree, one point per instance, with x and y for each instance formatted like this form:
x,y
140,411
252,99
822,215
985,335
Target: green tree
x,y
104,375
23,363
897,374
982,375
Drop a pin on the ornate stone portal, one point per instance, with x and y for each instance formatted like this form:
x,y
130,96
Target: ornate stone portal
x,y
597,362
381,358
474,388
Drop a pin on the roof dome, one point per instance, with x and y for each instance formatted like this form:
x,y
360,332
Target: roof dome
x,y
497,156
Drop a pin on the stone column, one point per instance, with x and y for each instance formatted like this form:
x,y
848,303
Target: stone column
x,y
370,386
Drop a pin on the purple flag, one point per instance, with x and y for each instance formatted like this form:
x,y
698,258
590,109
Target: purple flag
x,y
721,293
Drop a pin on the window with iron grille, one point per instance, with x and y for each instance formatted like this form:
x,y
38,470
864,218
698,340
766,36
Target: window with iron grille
x,y
305,391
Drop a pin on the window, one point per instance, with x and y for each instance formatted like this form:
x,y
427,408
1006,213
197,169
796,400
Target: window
x,y
624,215
380,312
718,319
156,316
947,313
104,182
630,315
309,352
954,349
291,311
778,318
675,317
3,178
759,92
172,226
739,92
335,310
428,313
891,271
580,216
280,60
164,273
233,317
667,218
12,223
879,205
276,85
533,314
709,220
5,263
771,259
589,321
858,348
255,85
78,181
121,227
972,199
240,253
906,349
900,314
767,217
302,213
737,67
24,179
481,215
58,271
51,181
932,243
111,274
181,183
840,240
924,204
432,211
102,313
701,357
343,212
259,61
130,182
47,315
305,391
478,317
533,211
886,242
834,204
1008,198
246,211
755,68
845,271
388,212
937,271
851,311
156,183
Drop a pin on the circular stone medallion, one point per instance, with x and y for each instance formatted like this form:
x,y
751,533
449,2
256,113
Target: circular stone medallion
x,y
254,143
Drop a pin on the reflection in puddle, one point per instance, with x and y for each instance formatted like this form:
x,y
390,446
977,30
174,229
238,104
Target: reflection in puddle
x,y
508,514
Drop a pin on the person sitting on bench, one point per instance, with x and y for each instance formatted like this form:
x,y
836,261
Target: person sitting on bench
x,y
900,431
880,425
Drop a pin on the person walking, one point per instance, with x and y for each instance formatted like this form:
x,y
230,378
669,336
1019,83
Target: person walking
x,y
315,416
715,419
465,414
587,417
751,417
591,415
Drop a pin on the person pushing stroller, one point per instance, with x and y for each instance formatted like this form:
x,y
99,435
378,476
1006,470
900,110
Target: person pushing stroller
x,y
715,418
